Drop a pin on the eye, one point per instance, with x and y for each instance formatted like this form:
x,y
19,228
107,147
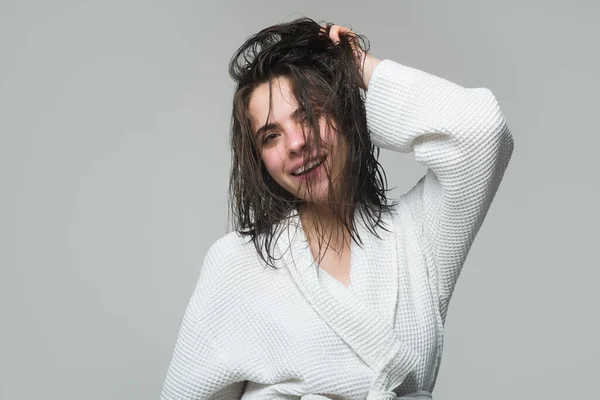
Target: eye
x,y
269,137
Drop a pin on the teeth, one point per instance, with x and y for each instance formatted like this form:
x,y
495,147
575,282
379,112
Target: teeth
x,y
306,167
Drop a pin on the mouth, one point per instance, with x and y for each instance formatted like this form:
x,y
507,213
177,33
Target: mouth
x,y
309,167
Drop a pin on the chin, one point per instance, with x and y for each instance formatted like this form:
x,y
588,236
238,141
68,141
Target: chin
x,y
318,196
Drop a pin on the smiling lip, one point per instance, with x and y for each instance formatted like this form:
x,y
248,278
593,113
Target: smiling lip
x,y
313,174
307,162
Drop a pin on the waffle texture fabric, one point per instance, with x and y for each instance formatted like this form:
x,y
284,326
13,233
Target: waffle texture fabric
x,y
253,332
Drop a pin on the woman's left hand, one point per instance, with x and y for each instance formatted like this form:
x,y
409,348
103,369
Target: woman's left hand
x,y
365,60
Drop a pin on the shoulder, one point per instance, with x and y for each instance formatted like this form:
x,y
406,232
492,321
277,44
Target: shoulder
x,y
230,245
233,265
227,254
233,280
407,215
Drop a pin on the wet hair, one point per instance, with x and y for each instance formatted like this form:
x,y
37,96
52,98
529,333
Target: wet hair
x,y
326,80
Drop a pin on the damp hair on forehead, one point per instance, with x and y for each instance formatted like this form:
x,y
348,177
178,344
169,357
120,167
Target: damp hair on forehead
x,y
325,80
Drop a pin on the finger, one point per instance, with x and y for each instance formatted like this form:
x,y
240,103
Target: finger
x,y
339,29
333,35
335,31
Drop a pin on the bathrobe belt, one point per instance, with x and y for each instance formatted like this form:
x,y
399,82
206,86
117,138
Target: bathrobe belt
x,y
421,395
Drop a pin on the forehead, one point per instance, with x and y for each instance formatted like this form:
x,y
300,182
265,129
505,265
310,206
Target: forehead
x,y
282,101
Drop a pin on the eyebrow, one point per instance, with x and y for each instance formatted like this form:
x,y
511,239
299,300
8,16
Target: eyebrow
x,y
276,125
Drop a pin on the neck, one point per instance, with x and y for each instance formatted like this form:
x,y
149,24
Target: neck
x,y
318,221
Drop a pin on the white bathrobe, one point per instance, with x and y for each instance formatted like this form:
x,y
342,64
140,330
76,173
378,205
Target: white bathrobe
x,y
252,332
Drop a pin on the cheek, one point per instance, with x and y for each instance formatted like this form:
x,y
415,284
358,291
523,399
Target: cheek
x,y
272,162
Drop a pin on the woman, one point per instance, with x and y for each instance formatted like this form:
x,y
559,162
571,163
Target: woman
x,y
341,294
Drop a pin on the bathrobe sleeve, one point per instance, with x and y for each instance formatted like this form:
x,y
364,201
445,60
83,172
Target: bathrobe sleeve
x,y
198,368
462,137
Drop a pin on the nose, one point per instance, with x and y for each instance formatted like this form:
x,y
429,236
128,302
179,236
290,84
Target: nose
x,y
296,141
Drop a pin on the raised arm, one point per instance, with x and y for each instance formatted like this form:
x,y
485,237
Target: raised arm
x,y
462,137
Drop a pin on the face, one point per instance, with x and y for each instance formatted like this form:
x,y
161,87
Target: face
x,y
284,144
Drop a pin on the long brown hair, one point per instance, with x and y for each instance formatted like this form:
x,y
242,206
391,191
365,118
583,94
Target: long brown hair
x,y
325,78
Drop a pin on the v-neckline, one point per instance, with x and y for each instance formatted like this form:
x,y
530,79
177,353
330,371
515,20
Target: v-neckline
x,y
352,250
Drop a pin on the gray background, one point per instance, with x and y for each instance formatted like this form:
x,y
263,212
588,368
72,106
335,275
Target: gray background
x,y
114,120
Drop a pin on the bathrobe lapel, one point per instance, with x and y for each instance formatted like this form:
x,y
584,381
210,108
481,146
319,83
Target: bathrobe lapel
x,y
370,334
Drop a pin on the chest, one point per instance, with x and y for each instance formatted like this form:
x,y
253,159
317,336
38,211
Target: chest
x,y
342,340
335,262
381,331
